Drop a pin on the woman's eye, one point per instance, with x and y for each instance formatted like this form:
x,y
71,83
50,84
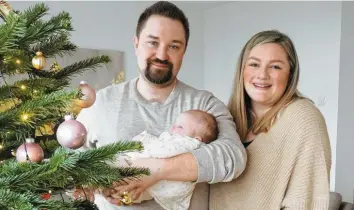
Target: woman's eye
x,y
276,67
253,64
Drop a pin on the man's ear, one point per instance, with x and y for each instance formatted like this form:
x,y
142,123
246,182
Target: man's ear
x,y
199,138
135,43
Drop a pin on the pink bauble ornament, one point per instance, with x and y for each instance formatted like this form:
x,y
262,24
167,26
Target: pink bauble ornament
x,y
89,95
71,133
33,150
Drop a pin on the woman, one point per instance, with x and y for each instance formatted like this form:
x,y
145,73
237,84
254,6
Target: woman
x,y
285,135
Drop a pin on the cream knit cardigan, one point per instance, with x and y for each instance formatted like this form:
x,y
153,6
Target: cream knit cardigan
x,y
287,168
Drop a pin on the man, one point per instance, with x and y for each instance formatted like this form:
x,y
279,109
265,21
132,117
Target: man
x,y
152,102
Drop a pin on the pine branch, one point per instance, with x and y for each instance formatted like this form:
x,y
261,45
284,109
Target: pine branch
x,y
34,13
11,32
73,69
37,111
31,88
109,152
44,74
12,200
79,67
10,65
55,45
41,30
68,167
28,201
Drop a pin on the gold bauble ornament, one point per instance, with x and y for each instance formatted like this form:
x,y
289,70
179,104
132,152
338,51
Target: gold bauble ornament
x,y
39,61
89,95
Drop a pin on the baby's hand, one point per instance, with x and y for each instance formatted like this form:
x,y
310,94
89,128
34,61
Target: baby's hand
x,y
84,194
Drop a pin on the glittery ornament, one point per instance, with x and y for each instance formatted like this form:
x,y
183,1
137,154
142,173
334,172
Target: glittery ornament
x,y
31,149
89,95
55,67
126,199
119,78
71,133
39,61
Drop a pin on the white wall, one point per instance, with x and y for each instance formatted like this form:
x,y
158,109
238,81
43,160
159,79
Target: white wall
x,y
313,26
345,141
111,25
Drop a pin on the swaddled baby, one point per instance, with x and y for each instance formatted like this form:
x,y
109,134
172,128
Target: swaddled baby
x,y
191,130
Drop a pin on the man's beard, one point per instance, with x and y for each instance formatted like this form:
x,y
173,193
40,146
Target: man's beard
x,y
159,76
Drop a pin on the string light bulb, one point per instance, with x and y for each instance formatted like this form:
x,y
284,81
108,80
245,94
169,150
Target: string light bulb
x,y
18,61
23,87
25,117
1,147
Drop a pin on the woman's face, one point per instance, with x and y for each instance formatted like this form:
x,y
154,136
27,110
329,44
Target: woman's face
x,y
266,74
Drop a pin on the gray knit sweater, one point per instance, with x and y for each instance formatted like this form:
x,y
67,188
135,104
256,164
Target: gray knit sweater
x,y
120,113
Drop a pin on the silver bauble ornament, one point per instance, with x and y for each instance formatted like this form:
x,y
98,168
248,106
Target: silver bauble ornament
x,y
71,133
33,150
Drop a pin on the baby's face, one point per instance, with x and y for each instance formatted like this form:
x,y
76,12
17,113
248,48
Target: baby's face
x,y
185,126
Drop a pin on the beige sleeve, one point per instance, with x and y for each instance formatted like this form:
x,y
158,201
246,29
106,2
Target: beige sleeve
x,y
308,187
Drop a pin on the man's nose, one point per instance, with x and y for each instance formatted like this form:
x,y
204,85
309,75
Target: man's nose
x,y
162,53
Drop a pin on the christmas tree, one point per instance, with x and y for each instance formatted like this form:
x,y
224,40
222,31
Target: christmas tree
x,y
34,161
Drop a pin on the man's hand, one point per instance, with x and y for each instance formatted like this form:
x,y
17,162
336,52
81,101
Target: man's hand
x,y
136,186
110,195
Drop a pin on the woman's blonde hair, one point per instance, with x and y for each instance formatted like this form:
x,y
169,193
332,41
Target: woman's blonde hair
x,y
240,103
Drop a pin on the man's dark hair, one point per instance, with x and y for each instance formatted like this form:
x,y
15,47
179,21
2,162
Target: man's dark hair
x,y
165,9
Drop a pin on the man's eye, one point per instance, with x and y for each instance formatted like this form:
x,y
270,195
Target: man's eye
x,y
174,47
153,43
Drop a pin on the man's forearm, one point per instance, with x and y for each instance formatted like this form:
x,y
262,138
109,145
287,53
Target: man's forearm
x,y
182,167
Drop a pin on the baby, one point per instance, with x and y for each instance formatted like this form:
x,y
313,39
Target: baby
x,y
191,130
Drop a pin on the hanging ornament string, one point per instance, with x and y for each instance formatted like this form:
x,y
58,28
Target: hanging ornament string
x,y
27,157
62,198
84,192
29,151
